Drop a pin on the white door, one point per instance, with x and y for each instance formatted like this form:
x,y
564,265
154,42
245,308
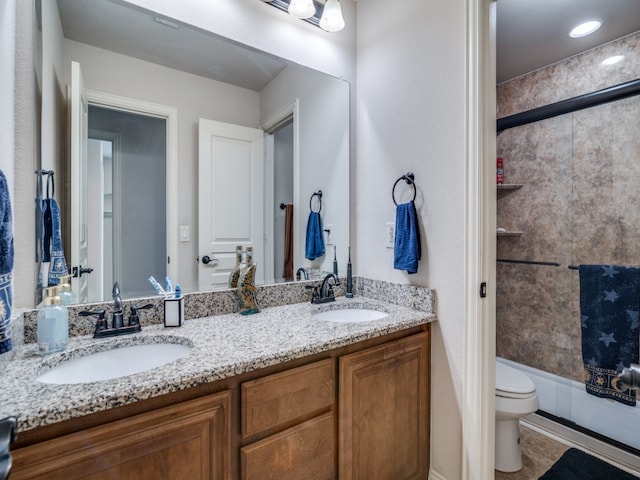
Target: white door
x,y
79,115
230,199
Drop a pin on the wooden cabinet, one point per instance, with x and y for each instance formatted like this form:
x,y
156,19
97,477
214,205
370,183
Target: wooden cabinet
x,y
293,412
189,440
384,411
355,412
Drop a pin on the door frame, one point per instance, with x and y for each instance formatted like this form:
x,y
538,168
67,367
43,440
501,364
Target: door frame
x,y
269,126
170,115
478,398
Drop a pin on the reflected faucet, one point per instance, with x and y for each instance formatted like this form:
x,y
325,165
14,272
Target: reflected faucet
x,y
303,272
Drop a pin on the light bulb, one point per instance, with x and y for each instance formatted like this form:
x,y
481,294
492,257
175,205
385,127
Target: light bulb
x,y
332,20
302,8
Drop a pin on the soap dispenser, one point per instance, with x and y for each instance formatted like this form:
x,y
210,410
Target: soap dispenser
x,y
53,323
67,296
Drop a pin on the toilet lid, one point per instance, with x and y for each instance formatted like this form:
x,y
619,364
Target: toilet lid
x,y
510,380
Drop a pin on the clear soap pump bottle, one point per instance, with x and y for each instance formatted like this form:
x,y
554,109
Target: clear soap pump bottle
x,y
53,323
67,297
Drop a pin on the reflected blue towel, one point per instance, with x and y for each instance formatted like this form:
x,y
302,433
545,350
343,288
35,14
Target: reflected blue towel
x,y
406,247
6,266
609,307
314,246
52,224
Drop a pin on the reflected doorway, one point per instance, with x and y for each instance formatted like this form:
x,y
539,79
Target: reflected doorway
x,y
126,204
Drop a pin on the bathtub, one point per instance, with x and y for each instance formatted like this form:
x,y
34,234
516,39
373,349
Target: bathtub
x,y
568,399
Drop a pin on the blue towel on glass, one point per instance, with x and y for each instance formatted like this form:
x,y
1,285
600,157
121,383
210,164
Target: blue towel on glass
x,y
314,246
609,307
406,246
6,266
56,254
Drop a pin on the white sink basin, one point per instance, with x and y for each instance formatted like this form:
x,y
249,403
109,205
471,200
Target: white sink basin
x,y
114,363
350,315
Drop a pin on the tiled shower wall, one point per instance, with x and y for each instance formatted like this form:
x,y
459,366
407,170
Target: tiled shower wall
x,y
580,203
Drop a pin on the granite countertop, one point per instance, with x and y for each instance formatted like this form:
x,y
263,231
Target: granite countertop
x,y
222,346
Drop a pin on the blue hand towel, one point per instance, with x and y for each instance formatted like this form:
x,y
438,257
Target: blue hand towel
x,y
406,247
6,266
58,263
314,247
609,307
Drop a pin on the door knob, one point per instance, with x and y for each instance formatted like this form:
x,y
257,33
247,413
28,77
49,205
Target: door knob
x,y
206,259
78,271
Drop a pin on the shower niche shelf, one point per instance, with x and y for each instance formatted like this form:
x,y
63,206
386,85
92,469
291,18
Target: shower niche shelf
x,y
509,186
509,234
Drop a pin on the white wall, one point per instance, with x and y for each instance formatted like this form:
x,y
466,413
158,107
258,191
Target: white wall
x,y
411,116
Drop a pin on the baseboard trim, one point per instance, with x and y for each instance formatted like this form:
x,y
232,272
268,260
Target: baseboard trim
x,y
433,475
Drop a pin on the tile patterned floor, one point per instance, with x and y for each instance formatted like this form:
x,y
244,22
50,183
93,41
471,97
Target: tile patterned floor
x,y
538,454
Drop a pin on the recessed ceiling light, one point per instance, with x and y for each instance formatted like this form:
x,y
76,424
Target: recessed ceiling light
x,y
585,28
613,60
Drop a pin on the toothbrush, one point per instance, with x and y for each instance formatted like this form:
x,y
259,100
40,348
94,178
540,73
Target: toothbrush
x,y
335,262
157,286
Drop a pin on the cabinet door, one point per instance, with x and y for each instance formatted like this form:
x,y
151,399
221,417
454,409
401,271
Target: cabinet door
x,y
305,451
189,440
384,411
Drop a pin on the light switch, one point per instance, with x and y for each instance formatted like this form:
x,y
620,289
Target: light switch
x,y
184,233
389,234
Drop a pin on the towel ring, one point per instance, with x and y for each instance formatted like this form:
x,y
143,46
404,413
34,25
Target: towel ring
x,y
319,195
409,178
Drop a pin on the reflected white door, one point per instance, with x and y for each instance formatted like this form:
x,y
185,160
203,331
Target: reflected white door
x,y
230,205
79,115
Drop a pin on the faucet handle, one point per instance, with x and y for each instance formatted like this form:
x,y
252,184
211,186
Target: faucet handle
x,y
101,323
315,296
133,318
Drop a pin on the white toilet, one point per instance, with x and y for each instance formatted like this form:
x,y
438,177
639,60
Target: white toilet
x,y
515,397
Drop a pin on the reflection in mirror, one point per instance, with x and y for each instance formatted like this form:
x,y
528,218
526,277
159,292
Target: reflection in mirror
x,y
126,158
129,53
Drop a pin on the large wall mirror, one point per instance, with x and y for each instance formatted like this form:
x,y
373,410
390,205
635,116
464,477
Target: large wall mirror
x,y
192,144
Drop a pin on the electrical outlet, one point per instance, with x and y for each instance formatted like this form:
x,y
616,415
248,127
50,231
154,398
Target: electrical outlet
x,y
389,234
328,230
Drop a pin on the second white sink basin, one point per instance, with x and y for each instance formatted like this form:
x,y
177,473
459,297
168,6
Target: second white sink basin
x,y
350,315
114,363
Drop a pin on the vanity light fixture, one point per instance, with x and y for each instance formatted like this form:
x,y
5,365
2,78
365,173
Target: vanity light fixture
x,y
584,29
613,60
302,8
332,20
326,14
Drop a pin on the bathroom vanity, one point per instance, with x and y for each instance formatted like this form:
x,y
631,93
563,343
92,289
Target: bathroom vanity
x,y
285,396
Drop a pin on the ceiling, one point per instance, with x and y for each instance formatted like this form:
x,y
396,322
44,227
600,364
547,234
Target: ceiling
x,y
530,34
533,33
122,28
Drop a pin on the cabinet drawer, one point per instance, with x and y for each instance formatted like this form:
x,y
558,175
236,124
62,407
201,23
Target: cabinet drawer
x,y
306,451
280,399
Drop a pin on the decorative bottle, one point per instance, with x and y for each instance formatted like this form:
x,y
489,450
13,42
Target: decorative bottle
x,y
53,324
247,300
500,171
235,274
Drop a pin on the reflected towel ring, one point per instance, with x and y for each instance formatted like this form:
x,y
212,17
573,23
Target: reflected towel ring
x,y
319,195
409,178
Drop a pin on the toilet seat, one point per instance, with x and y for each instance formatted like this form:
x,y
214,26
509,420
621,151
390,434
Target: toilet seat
x,y
511,383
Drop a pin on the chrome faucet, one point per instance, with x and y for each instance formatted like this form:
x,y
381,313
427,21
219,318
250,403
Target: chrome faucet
x,y
303,272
